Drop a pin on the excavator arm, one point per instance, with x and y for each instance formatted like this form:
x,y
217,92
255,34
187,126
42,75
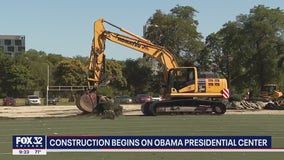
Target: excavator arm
x,y
132,41
88,101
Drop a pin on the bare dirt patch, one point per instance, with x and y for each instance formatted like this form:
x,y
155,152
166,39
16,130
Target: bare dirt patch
x,y
65,111
39,111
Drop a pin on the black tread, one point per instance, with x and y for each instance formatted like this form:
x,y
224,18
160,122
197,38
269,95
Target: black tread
x,y
150,108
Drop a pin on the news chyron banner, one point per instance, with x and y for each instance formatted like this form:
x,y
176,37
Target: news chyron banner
x,y
29,145
41,144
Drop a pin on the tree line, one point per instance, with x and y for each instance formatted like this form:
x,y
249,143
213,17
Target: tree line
x,y
29,72
248,52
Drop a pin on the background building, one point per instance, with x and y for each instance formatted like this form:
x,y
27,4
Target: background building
x,y
12,44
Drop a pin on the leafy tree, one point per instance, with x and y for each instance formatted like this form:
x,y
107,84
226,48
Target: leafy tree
x,y
137,76
251,46
54,59
177,31
6,62
19,79
34,55
70,72
39,66
212,57
83,60
115,75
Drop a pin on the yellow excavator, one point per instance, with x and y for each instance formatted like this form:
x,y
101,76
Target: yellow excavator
x,y
270,91
185,92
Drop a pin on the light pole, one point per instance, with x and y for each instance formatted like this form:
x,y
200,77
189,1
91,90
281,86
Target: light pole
x,y
47,84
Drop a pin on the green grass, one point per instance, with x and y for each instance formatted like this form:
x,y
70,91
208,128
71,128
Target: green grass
x,y
189,125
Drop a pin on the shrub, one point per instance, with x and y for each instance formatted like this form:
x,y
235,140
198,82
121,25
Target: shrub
x,y
235,97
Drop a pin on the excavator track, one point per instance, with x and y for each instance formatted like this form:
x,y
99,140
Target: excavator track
x,y
183,106
87,102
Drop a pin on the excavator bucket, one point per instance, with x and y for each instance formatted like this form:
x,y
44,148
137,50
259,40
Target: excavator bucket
x,y
87,102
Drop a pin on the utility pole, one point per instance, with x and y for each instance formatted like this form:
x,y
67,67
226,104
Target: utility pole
x,y
47,84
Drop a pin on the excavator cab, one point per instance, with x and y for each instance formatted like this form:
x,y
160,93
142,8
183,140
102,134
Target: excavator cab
x,y
182,80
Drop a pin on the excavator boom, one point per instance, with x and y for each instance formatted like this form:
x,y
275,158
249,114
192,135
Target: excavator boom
x,y
132,41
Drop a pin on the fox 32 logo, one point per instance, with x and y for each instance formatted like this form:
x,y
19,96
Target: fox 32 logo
x,y
28,141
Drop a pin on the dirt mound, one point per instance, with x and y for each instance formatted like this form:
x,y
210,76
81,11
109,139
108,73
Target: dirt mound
x,y
246,105
39,111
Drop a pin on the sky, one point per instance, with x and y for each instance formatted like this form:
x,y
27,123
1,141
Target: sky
x,y
66,26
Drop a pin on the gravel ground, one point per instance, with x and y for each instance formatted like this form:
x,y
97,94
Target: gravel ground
x,y
64,111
